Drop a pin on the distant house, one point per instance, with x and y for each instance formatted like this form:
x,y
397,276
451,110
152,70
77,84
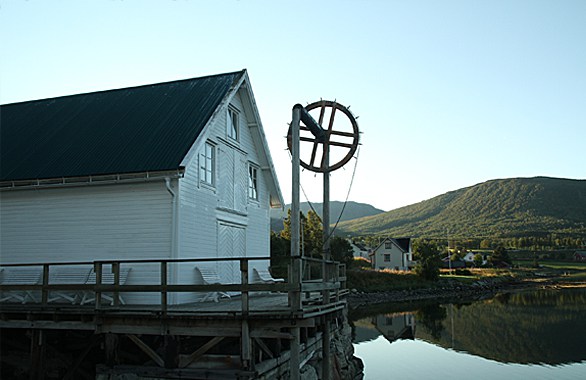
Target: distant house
x,y
469,257
392,254
358,249
453,264
171,170
580,256
395,326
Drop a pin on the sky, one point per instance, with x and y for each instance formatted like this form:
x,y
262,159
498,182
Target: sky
x,y
448,94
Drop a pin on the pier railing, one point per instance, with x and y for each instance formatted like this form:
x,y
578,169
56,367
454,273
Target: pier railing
x,y
101,284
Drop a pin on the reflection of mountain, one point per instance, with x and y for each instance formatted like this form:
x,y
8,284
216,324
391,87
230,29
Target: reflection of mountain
x,y
528,328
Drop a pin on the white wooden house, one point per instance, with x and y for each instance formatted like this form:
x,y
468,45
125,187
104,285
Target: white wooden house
x,y
469,257
170,170
358,249
394,326
392,254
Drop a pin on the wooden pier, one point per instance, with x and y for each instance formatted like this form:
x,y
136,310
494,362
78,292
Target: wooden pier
x,y
254,330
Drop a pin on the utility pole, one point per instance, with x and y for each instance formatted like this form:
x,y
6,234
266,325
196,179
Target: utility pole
x,y
449,255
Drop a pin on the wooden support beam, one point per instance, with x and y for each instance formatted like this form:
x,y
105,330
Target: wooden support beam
x,y
245,346
73,372
326,352
146,349
264,347
111,349
171,354
186,360
37,367
295,355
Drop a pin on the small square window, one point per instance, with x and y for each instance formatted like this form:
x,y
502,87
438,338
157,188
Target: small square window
x,y
252,182
207,164
388,245
387,258
232,127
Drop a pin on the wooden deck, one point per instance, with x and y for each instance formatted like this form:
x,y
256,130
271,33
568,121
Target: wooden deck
x,y
273,325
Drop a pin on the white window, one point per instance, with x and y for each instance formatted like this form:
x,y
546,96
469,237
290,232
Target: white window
x,y
252,182
207,164
232,127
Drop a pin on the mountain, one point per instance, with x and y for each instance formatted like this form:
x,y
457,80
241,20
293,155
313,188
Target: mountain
x,y
512,207
353,210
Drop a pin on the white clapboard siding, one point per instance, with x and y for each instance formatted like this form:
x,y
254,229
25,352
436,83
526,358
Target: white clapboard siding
x,y
201,207
110,222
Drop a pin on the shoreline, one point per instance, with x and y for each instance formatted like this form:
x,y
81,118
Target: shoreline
x,y
453,290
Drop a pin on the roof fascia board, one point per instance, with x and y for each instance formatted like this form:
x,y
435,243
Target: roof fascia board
x,y
257,131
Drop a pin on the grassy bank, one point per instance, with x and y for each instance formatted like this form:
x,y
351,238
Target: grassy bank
x,y
369,281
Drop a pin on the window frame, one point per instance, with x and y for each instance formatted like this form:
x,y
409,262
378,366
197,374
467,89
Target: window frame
x,y
253,191
204,170
233,124
386,257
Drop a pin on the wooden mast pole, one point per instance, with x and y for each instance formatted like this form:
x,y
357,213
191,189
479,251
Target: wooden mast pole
x,y
295,295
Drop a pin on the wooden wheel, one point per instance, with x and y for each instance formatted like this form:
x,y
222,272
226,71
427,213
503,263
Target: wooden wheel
x,y
340,142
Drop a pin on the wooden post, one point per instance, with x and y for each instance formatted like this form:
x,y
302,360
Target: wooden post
x,y
116,293
98,270
45,292
37,367
245,340
164,287
111,349
244,281
326,340
295,355
326,363
295,295
171,354
246,346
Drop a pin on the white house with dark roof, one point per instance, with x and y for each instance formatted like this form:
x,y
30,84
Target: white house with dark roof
x,y
392,254
358,249
171,170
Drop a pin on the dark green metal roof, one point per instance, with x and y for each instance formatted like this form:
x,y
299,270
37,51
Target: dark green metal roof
x,y
130,130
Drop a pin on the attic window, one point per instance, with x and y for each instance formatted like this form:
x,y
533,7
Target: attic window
x,y
388,245
252,182
207,164
232,127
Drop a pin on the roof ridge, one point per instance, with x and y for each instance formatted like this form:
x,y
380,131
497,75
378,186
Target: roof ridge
x,y
126,88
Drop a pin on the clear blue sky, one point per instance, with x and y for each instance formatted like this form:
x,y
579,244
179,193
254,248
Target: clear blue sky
x,y
448,93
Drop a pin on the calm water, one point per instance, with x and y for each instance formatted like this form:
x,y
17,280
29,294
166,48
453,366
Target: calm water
x,y
528,335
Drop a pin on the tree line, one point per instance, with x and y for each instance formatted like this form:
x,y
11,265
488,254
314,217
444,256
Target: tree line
x,y
311,243
549,242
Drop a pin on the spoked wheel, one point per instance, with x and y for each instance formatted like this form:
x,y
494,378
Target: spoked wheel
x,y
340,140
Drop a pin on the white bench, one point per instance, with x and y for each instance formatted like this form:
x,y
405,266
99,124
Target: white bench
x,y
20,276
207,276
107,279
67,276
264,277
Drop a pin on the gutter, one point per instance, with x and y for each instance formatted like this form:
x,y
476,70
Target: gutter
x,y
172,274
90,180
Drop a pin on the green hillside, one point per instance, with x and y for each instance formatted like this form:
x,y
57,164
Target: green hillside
x,y
498,208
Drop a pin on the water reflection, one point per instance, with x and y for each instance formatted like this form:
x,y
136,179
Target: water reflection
x,y
532,328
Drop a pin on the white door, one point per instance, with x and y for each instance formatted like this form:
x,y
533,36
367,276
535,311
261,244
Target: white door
x,y
231,244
